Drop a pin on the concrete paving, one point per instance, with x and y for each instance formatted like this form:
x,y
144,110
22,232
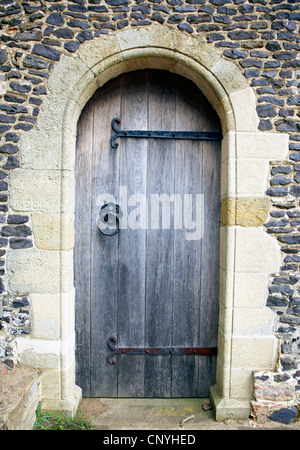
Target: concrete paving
x,y
163,414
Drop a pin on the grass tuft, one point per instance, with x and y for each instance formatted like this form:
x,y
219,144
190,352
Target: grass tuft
x,y
48,421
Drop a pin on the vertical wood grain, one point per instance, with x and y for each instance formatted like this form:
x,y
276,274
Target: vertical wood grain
x,y
148,287
82,260
132,242
159,273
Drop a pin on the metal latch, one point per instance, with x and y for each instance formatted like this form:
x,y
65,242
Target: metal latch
x,y
109,219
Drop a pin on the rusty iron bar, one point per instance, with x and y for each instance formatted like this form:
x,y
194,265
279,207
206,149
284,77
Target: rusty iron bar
x,y
163,351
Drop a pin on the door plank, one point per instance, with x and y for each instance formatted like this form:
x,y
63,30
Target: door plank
x,y
132,242
159,273
187,267
104,249
82,247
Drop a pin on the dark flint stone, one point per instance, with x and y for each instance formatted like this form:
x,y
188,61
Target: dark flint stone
x,y
276,301
251,73
13,109
123,23
277,223
64,33
20,243
55,19
295,190
23,126
85,35
18,231
286,125
295,156
12,163
265,111
17,219
47,52
285,415
78,23
281,169
155,16
72,46
20,87
241,35
283,289
185,27
295,239
265,125
3,242
20,302
277,191
13,98
273,46
3,56
280,180
235,54
118,2
9,148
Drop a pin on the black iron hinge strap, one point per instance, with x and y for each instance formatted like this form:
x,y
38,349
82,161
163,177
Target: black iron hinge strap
x,y
166,351
192,135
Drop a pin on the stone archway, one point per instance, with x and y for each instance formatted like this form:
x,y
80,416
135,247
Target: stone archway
x,y
44,187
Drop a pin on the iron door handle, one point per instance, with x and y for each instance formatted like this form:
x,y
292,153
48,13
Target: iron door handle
x,y
109,219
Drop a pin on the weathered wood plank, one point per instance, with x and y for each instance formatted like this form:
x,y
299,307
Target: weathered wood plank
x,y
82,261
104,249
132,242
159,269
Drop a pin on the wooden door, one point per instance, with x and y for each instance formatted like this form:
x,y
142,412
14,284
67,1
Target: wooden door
x,y
154,284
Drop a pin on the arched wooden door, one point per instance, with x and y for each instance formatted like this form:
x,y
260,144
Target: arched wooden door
x,y
154,285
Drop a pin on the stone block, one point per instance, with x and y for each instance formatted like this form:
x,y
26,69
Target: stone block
x,y
270,146
244,106
250,321
41,150
249,243
252,176
232,78
38,353
37,190
34,271
250,289
244,211
46,313
254,352
53,231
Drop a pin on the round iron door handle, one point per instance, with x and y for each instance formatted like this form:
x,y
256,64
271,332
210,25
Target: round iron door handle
x,y
109,213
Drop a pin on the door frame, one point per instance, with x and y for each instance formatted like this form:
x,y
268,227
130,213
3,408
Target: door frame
x,y
246,325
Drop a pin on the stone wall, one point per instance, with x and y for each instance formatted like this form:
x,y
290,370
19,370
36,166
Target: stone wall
x,y
262,39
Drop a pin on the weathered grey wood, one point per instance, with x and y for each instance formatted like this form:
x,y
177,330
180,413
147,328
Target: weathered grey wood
x,y
187,252
196,261
147,287
82,261
159,273
132,242
104,249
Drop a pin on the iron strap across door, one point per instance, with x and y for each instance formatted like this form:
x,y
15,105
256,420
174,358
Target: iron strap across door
x,y
193,135
165,351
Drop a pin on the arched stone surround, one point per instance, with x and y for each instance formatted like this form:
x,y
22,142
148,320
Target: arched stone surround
x,y
44,188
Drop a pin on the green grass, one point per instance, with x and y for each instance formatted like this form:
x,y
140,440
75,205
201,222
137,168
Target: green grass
x,y
48,421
